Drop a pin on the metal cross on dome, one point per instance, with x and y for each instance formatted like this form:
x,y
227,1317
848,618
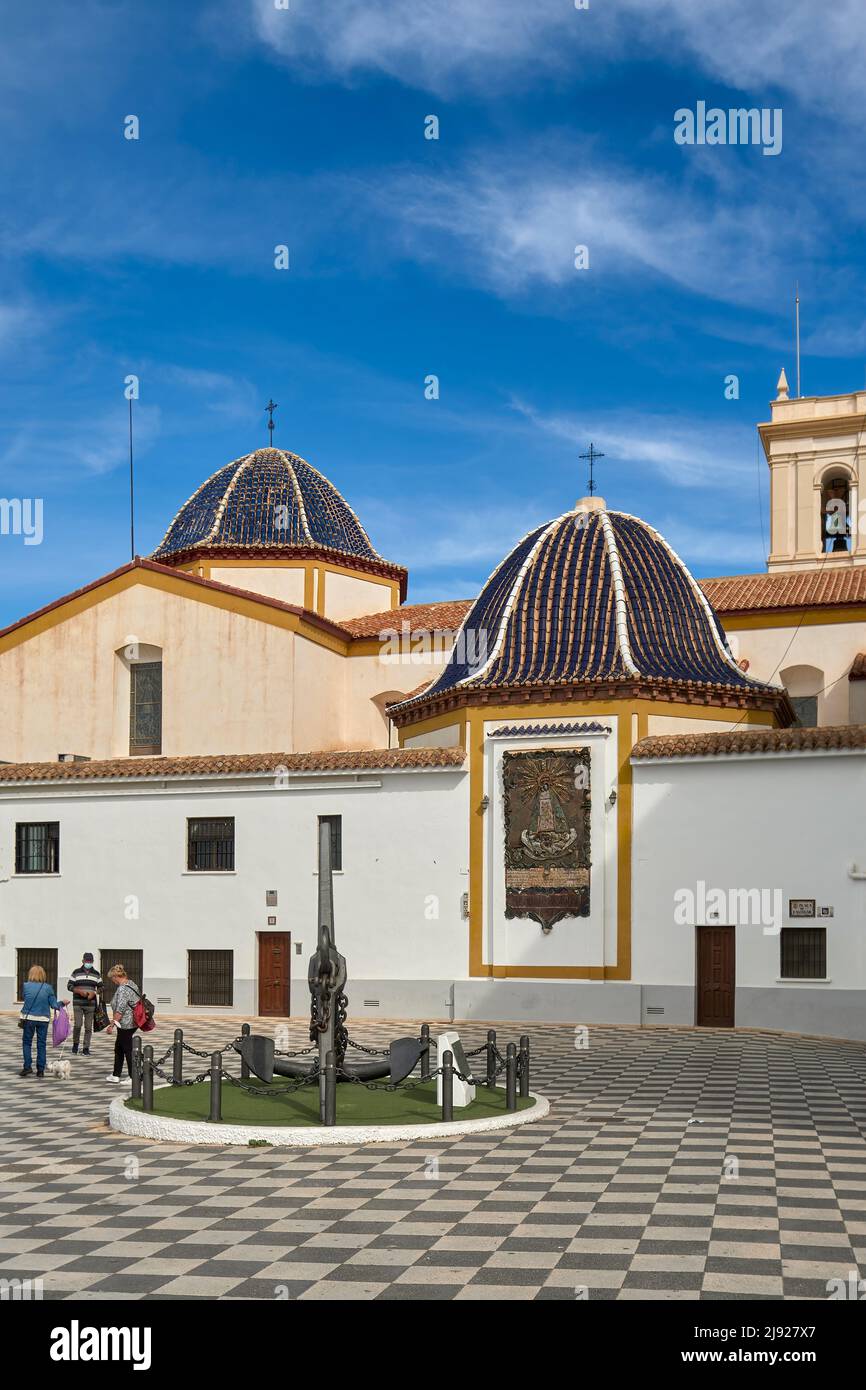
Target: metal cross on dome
x,y
592,454
270,408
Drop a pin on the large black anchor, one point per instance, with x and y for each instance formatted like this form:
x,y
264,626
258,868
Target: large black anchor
x,y
326,978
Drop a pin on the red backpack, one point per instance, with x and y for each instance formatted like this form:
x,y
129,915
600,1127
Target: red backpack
x,y
143,1014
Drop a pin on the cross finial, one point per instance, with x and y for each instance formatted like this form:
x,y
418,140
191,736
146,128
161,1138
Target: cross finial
x,y
270,408
592,454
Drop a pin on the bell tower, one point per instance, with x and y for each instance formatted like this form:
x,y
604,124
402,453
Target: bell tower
x,y
816,451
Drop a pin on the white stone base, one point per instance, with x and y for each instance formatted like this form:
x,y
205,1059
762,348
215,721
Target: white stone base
x,y
175,1131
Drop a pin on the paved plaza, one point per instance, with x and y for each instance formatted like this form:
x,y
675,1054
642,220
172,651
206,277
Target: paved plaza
x,y
674,1164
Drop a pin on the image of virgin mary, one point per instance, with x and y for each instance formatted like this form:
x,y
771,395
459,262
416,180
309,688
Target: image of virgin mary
x,y
549,835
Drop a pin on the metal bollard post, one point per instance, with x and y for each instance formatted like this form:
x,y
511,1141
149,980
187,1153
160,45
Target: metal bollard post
x,y
425,1055
177,1058
216,1087
511,1077
524,1065
330,1116
491,1057
448,1086
245,1067
147,1079
135,1093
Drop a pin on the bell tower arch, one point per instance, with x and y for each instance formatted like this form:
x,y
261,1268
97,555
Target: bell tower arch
x,y
815,447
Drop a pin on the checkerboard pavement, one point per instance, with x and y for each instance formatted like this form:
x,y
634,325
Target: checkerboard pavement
x,y
674,1164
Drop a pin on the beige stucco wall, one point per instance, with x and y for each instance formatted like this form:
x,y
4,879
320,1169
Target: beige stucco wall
x,y
284,582
829,648
371,680
668,724
227,680
348,597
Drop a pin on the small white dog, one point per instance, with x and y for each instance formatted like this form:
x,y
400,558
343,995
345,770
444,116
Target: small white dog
x,y
62,1068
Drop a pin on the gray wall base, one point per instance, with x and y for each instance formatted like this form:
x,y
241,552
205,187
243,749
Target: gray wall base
x,y
819,1010
831,1013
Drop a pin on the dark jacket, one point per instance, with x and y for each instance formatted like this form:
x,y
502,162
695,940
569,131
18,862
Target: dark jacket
x,y
85,977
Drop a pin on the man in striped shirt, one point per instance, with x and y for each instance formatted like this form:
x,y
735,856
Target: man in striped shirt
x,y
84,985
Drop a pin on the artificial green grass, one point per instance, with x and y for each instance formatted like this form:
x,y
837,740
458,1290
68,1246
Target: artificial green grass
x,y
355,1104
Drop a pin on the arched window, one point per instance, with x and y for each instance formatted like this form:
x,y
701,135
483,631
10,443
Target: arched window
x,y
804,685
835,514
143,663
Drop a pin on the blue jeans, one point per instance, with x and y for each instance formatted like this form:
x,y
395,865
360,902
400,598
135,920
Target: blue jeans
x,y
41,1031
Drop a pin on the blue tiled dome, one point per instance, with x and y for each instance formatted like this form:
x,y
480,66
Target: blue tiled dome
x,y
267,500
593,599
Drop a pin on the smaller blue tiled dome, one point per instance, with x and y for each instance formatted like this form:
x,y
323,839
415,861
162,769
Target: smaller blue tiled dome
x,y
267,500
592,602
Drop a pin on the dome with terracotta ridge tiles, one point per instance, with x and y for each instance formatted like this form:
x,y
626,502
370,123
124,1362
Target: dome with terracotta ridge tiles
x,y
594,603
268,501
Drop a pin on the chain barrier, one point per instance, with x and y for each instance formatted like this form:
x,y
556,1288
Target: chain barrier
x,y
187,1081
313,1077
370,1051
266,1091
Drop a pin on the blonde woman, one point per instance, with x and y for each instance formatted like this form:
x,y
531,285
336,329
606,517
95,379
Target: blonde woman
x,y
39,1000
126,996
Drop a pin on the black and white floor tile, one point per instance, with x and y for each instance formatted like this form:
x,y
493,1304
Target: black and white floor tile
x,y
674,1164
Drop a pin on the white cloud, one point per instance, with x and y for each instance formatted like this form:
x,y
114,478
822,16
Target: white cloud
x,y
679,449
440,45
435,44
95,444
514,224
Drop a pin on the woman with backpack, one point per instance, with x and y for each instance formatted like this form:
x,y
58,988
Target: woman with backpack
x,y
39,1000
126,996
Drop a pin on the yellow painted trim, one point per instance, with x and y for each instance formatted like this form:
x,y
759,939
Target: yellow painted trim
x,y
309,585
595,709
475,742
320,591
435,722
794,617
171,584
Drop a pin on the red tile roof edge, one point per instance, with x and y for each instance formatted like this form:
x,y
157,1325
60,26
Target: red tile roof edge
x,y
315,619
827,739
235,765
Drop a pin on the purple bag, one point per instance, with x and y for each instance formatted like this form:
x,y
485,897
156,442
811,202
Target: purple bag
x,y
60,1027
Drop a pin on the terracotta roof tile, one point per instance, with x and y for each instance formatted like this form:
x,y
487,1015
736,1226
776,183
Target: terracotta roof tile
x,y
235,764
744,593
421,617
751,741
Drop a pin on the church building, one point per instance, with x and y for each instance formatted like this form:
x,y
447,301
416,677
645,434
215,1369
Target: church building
x,y
598,791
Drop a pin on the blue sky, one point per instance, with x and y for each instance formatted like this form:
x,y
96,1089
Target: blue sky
x,y
305,126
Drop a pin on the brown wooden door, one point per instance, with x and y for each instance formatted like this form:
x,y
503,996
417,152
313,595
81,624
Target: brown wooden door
x,y
274,974
715,977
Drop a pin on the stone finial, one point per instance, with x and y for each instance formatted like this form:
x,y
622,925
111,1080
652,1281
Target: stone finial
x,y
782,386
590,504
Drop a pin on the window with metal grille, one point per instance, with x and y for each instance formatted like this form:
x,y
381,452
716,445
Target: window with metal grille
x,y
211,977
37,847
46,956
132,962
145,707
804,953
806,710
336,824
211,844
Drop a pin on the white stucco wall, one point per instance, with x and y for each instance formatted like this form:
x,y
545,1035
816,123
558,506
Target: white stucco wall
x,y
792,822
574,941
397,900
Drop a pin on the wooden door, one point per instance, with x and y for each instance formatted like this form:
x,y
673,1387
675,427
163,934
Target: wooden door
x,y
715,977
274,974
